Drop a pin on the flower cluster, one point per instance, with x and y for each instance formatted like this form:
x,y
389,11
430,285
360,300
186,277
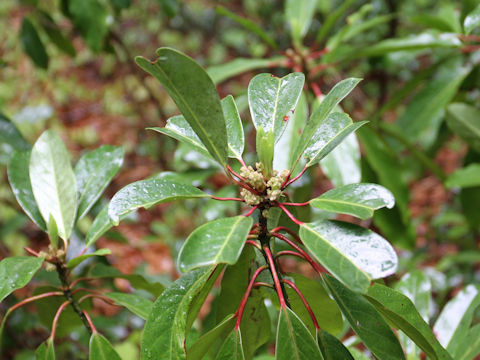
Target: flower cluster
x,y
271,188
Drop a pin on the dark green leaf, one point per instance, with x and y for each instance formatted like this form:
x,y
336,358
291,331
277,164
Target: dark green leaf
x,y
294,341
299,14
331,347
353,254
146,193
54,33
232,347
53,182
367,323
332,19
472,20
46,351
170,7
359,200
195,95
121,4
11,139
135,303
101,349
466,177
91,19
469,347
218,241
464,120
19,178
93,173
235,135
401,312
77,260
16,272
33,44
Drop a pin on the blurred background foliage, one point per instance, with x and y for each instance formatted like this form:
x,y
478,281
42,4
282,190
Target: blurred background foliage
x,y
69,65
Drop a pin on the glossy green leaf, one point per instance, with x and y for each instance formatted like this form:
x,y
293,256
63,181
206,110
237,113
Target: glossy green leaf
x,y
218,241
195,95
53,182
294,341
100,226
326,311
166,327
101,349
93,173
465,177
454,321
337,94
353,254
77,260
401,312
464,120
16,272
299,14
359,200
472,20
342,164
203,345
90,17
247,24
19,178
46,351
232,347
32,44
147,193
367,323
235,135
135,303
11,139
265,148
220,73
272,100
331,347
423,116
469,347
101,271
331,132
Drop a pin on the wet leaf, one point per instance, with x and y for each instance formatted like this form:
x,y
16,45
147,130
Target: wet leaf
x,y
32,44
11,139
232,347
235,135
101,349
464,120
16,272
220,73
46,351
135,303
359,200
77,260
472,20
331,347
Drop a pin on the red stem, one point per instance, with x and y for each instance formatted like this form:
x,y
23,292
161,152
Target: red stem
x,y
287,230
305,302
253,243
273,270
57,316
290,252
225,199
296,204
34,298
235,173
240,159
316,89
317,54
31,252
243,303
296,177
97,296
94,330
76,281
261,283
316,266
293,218
251,211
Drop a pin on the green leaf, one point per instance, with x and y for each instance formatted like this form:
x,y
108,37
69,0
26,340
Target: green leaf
x,y
93,173
33,44
353,254
90,17
101,349
332,18
16,272
272,100
472,20
247,24
337,94
367,323
359,200
218,241
342,165
299,14
466,177
324,308
203,345
77,260
135,303
100,226
220,73
265,148
166,327
294,341
469,347
46,351
54,33
53,182
464,120
19,178
147,193
232,347
330,133
101,271
11,139
331,347
195,95
235,135
423,116
402,314
454,321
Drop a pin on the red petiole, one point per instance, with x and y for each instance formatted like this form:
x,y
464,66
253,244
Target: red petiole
x,y
305,302
243,303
